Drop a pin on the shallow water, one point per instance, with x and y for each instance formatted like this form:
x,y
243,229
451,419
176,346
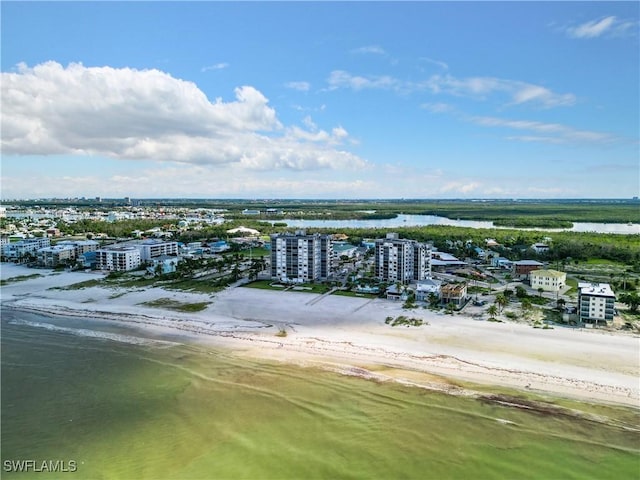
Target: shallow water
x,y
123,408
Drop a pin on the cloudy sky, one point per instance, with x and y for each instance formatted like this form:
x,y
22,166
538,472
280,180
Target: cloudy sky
x,y
320,100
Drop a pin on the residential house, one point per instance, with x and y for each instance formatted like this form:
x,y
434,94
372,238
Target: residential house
x,y
425,288
540,247
397,293
455,293
163,265
501,262
344,249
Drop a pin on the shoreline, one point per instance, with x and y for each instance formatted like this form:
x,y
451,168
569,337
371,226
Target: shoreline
x,y
348,336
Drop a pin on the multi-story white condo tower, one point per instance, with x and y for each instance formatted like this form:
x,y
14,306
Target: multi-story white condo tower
x,y
402,260
301,258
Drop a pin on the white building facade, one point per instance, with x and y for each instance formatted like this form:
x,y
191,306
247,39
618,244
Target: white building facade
x,y
401,260
596,302
17,250
156,248
118,258
301,258
57,255
80,246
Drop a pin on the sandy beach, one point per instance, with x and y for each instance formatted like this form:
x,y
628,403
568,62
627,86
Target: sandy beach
x,y
349,335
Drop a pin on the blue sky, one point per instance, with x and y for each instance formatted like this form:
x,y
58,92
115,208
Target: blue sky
x,y
320,100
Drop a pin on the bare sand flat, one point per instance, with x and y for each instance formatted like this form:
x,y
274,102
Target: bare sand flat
x,y
349,335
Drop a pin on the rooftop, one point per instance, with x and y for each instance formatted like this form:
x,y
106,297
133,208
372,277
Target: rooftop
x,y
527,262
548,273
599,289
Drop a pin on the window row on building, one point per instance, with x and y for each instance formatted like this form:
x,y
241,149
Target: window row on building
x,y
595,302
299,258
401,260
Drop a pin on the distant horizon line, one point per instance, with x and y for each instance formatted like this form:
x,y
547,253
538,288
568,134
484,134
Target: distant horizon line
x,y
323,199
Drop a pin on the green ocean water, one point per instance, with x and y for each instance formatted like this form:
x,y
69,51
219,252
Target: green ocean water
x,y
157,410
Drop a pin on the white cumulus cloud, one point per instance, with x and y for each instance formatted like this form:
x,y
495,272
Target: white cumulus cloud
x,y
148,114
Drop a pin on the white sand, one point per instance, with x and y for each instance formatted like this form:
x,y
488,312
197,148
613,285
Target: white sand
x,y
349,335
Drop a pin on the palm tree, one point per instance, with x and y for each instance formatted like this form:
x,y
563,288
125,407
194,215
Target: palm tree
x,y
492,311
434,300
526,306
501,302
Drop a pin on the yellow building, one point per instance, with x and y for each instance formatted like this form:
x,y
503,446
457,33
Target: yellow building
x,y
548,280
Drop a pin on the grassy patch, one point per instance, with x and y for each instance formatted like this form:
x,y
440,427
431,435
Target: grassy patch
x,y
402,320
311,288
20,278
256,252
80,285
347,293
602,261
264,285
197,286
170,304
128,282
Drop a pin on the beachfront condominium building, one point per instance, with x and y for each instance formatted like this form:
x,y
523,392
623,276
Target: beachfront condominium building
x,y
29,246
299,258
154,248
80,246
549,280
57,255
402,260
595,302
118,258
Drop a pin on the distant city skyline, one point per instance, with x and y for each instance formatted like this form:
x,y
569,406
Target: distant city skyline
x,y
311,100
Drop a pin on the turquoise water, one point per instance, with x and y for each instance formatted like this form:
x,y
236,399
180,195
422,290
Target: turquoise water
x,y
122,406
